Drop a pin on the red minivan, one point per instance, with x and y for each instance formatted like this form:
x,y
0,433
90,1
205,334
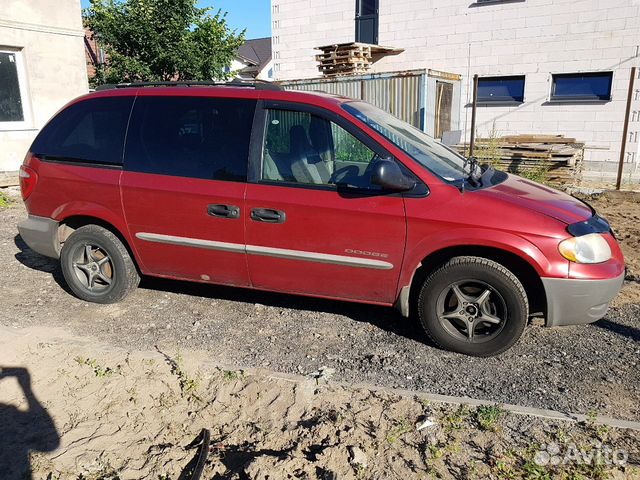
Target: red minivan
x,y
312,194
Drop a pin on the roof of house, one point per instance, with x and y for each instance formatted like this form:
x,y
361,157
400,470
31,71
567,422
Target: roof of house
x,y
256,52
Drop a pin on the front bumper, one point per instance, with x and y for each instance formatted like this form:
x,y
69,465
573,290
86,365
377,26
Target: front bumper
x,y
41,234
576,302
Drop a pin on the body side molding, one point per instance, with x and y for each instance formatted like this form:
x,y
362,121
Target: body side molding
x,y
267,251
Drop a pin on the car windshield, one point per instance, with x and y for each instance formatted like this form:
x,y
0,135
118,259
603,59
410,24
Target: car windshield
x,y
423,148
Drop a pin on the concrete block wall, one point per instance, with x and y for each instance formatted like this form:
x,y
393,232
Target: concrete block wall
x,y
298,26
48,34
535,38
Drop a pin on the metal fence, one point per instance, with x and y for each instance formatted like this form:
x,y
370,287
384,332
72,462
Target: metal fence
x,y
400,93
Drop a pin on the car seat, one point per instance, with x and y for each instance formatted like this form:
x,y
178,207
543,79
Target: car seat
x,y
303,167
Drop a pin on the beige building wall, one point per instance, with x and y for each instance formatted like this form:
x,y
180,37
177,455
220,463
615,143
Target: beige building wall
x,y
536,38
47,39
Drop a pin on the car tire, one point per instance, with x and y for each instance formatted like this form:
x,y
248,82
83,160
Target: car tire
x,y
97,266
474,306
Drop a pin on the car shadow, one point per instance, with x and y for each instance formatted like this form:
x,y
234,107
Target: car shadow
x,y
622,330
385,318
35,261
23,431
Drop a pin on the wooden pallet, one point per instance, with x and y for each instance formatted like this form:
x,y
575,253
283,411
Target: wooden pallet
x,y
344,54
344,59
559,155
341,58
535,138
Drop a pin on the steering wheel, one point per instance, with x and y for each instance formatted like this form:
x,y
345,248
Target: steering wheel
x,y
344,172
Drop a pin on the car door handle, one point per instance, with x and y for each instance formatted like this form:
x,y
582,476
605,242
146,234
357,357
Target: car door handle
x,y
268,215
223,211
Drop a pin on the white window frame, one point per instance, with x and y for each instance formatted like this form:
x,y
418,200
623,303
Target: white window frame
x,y
27,122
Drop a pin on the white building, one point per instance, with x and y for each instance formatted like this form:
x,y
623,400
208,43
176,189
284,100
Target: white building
x,y
545,66
42,67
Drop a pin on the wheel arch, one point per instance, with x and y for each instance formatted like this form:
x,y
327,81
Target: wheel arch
x,y
71,223
519,266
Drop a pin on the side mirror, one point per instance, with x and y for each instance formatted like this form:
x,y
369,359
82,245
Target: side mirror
x,y
387,174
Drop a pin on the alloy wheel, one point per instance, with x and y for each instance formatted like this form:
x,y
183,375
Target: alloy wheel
x,y
471,311
93,267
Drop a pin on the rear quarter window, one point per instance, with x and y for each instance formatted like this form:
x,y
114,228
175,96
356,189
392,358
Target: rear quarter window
x,y
195,137
90,131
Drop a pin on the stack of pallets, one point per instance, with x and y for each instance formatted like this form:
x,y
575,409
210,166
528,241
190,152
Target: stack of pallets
x,y
344,59
560,156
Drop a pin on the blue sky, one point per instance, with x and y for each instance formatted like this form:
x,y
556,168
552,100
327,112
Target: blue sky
x,y
254,15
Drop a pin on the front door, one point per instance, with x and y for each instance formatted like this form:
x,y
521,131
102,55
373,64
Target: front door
x,y
314,223
184,183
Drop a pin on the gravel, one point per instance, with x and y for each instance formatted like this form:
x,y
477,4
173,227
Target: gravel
x,y
577,369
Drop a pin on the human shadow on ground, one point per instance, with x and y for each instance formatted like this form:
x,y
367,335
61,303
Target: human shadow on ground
x,y
23,431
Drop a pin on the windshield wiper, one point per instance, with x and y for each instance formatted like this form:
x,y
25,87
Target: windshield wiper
x,y
487,175
474,165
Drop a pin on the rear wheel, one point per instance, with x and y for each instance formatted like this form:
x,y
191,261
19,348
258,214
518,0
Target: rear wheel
x,y
97,266
474,306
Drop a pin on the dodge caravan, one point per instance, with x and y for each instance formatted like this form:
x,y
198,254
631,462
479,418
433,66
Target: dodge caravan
x,y
311,194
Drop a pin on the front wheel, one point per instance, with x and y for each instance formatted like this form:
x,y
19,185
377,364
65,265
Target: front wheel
x,y
474,306
97,266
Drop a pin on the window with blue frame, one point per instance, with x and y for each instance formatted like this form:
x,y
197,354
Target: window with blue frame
x,y
501,89
593,86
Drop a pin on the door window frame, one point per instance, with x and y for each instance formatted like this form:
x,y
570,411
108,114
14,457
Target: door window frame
x,y
258,137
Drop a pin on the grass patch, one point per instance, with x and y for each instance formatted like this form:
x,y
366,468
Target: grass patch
x,y
400,428
489,150
99,371
231,375
188,385
487,416
539,174
5,201
361,472
456,420
600,431
105,472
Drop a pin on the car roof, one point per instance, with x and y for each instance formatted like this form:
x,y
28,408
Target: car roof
x,y
271,92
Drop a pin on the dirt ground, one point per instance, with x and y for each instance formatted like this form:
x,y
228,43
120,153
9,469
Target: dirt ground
x,y
119,392
98,412
622,210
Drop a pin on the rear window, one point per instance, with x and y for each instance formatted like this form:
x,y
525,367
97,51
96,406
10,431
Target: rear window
x,y
90,131
196,137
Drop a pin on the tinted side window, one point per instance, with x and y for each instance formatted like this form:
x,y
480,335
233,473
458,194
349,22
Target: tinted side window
x,y
195,137
90,131
582,86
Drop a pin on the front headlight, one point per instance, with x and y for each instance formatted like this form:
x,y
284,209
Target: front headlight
x,y
592,248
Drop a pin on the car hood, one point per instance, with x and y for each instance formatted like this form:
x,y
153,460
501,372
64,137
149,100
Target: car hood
x,y
540,198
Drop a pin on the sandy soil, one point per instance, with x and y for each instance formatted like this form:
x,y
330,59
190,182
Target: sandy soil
x,y
622,210
98,412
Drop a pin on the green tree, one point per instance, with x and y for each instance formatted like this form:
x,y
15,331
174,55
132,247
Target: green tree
x,y
161,40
